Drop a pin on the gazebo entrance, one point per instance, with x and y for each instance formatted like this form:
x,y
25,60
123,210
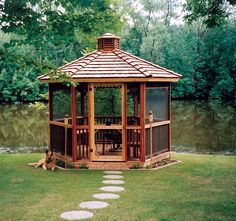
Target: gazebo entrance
x,y
107,123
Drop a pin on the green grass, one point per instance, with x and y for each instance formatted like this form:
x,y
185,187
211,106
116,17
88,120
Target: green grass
x,y
202,187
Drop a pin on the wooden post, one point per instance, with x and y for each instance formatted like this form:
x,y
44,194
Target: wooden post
x,y
124,121
91,121
169,115
66,122
50,109
73,113
142,121
150,122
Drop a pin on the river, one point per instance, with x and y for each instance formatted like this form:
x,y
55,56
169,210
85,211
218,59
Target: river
x,y
197,126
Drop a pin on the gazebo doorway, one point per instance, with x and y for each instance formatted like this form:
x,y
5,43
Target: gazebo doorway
x,y
107,102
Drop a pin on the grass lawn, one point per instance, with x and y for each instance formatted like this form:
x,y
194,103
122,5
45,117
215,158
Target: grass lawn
x,y
202,187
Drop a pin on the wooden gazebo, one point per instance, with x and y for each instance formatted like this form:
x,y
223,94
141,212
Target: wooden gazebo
x,y
106,121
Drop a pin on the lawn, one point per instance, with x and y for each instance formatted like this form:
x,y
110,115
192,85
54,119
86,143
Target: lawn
x,y
202,187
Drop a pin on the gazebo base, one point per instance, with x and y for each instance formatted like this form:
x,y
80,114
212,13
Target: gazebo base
x,y
100,165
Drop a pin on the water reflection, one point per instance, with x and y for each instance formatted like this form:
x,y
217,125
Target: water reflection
x,y
196,126
21,126
203,126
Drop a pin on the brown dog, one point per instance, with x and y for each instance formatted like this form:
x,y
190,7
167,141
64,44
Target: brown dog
x,y
49,162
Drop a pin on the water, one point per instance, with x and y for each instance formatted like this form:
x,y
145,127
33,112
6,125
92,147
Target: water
x,y
204,127
201,127
22,126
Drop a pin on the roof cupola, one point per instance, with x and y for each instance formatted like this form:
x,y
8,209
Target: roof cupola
x,y
108,42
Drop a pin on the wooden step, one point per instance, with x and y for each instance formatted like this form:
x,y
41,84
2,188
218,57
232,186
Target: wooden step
x,y
109,165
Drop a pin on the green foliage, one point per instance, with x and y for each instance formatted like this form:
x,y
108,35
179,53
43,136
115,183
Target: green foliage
x,y
42,35
18,77
205,57
38,105
213,13
136,166
84,166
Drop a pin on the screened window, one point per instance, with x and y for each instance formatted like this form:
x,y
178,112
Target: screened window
x,y
157,101
61,104
133,104
82,104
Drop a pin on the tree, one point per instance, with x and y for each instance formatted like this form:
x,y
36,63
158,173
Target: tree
x,y
45,34
57,27
213,12
203,56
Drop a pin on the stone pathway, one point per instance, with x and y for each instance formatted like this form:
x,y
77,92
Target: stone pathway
x,y
112,188
113,172
76,215
105,196
111,178
93,205
116,182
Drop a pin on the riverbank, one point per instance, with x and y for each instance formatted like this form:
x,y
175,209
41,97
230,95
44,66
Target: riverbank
x,y
201,187
14,150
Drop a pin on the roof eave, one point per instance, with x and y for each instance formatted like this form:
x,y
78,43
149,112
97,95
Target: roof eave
x,y
116,80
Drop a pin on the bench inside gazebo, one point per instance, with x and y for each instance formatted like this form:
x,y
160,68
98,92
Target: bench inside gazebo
x,y
117,116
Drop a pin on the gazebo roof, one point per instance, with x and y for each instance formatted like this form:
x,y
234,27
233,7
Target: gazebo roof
x,y
109,63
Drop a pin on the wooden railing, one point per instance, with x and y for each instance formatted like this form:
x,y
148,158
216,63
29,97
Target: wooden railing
x,y
107,120
108,130
61,139
133,143
160,138
82,143
111,137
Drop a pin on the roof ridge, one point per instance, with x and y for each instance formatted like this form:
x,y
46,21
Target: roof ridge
x,y
136,66
148,62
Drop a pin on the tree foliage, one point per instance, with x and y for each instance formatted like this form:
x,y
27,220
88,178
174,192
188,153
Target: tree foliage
x,y
40,35
205,57
213,12
48,33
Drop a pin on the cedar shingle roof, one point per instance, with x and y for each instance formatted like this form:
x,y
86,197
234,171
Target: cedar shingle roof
x,y
114,63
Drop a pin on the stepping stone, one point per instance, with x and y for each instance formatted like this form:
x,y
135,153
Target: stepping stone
x,y
113,182
76,215
112,188
104,196
113,172
93,205
113,177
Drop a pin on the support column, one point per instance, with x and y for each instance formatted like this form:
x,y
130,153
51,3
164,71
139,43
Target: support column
x,y
91,121
73,115
169,115
50,109
124,122
142,121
